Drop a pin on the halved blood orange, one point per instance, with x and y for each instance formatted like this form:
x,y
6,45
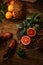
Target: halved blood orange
x,y
25,40
31,32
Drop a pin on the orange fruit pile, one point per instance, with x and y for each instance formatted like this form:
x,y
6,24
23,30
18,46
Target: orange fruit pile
x,y
10,13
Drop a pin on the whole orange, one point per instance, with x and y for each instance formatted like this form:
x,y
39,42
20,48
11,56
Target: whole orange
x,y
12,2
8,15
10,8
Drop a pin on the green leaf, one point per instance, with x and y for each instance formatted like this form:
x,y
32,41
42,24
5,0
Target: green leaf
x,y
37,15
1,15
28,18
28,25
24,23
4,8
21,53
22,32
18,26
32,14
36,26
0,21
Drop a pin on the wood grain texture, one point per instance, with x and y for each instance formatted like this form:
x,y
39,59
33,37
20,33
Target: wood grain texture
x,y
34,57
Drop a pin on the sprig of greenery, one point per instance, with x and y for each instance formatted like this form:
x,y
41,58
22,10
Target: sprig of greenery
x,y
21,53
3,6
29,22
3,9
0,21
34,17
1,16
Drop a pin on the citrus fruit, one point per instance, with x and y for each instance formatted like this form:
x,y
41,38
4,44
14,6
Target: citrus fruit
x,y
10,8
8,15
13,14
25,40
31,32
12,2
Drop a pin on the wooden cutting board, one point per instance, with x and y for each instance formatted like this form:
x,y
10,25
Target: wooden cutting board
x,y
33,56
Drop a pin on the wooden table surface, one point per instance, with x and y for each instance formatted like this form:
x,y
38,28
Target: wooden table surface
x,y
33,56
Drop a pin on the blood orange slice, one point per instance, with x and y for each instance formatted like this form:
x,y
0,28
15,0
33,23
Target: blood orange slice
x,y
31,32
25,40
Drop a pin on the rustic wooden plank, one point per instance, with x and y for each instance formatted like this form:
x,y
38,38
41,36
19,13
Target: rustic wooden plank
x,y
33,56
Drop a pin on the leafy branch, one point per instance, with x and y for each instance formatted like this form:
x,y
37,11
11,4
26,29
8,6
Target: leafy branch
x,y
29,22
21,53
3,9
